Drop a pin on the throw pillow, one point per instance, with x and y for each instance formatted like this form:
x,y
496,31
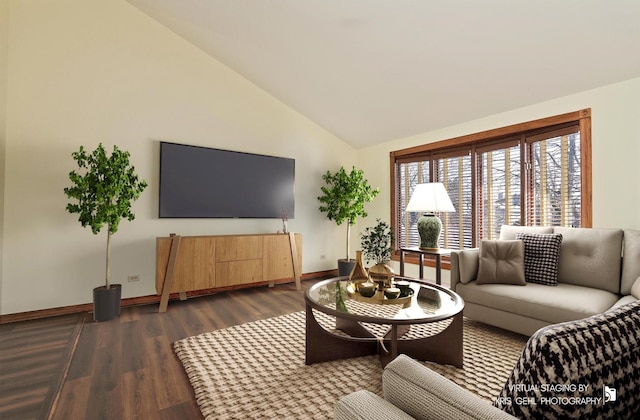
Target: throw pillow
x,y
501,262
541,257
635,289
584,369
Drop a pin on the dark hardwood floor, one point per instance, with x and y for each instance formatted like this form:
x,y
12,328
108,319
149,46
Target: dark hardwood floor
x,y
126,368
34,356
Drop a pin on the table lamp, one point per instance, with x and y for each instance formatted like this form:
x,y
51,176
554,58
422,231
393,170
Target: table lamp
x,y
429,198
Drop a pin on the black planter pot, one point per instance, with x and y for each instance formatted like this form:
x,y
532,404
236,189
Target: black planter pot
x,y
106,302
345,267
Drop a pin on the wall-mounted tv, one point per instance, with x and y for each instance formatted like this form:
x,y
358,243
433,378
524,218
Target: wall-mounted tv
x,y
202,182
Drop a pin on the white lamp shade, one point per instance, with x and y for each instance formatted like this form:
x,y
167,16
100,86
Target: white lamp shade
x,y
430,197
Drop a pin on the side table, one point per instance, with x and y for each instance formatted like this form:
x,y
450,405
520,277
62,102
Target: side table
x,y
436,252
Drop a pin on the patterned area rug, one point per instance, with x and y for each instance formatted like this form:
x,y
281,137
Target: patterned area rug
x,y
257,371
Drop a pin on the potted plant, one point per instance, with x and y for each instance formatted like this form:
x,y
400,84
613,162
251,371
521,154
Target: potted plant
x,y
103,192
343,200
376,245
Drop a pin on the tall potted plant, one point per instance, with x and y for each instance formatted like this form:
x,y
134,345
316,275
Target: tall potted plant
x,y
343,199
103,192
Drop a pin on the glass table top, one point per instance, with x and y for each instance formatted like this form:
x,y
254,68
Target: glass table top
x,y
427,303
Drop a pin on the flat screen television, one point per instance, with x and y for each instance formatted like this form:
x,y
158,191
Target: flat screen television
x,y
202,182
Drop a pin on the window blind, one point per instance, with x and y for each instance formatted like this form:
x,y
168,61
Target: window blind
x,y
554,179
535,173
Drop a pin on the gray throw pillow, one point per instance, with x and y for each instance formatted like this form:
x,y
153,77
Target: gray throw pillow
x,y
635,289
501,262
541,257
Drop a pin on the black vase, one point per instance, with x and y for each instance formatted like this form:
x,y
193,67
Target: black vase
x,y
106,302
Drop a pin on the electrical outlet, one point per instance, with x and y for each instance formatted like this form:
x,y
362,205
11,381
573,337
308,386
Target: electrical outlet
x,y
134,277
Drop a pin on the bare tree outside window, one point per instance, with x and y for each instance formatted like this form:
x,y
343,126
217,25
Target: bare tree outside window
x,y
556,174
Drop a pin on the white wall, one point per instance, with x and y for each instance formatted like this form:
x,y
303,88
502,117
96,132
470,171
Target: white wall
x,y
615,111
82,72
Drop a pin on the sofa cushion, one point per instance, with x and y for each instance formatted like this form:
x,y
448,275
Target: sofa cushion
x,y
635,289
565,302
584,369
541,256
631,260
590,257
501,262
509,232
624,300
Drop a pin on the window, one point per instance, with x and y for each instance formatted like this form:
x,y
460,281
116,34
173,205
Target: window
x,y
535,173
555,180
455,173
499,192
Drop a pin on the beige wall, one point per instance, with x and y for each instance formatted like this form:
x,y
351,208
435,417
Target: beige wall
x,y
87,71
616,149
4,42
82,72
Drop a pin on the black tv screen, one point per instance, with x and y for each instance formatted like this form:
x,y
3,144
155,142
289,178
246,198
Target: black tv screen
x,y
213,183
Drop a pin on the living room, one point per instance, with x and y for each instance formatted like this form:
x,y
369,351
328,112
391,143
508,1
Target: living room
x,y
75,72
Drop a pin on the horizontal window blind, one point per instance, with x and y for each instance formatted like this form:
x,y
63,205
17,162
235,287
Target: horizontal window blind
x,y
499,190
527,174
555,180
408,175
455,174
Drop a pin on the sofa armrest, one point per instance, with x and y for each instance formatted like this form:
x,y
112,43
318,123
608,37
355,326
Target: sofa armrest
x,y
365,405
425,394
464,266
455,270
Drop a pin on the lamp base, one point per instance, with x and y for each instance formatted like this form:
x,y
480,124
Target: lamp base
x,y
429,228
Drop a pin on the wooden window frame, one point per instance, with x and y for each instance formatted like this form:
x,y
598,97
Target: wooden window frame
x,y
498,136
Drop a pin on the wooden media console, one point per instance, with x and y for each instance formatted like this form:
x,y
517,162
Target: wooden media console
x,y
189,263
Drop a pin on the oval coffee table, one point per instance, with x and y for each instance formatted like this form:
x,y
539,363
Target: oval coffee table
x,y
426,326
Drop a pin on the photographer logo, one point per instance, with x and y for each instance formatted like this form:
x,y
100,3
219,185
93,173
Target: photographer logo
x,y
610,394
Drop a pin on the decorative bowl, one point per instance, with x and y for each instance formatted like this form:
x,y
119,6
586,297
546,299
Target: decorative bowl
x,y
367,289
404,286
392,293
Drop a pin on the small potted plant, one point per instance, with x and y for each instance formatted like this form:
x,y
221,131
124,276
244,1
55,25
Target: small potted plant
x,y
343,200
103,194
377,242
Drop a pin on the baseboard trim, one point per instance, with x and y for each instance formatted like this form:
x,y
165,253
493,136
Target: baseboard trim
x,y
149,299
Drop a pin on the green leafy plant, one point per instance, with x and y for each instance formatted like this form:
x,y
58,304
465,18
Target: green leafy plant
x,y
377,242
344,196
104,191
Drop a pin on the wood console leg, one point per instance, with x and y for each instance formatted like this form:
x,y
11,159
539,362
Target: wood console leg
x,y
168,278
294,260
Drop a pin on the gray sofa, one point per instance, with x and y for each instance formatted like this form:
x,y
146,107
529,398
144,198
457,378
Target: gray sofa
x,y
413,391
592,278
600,355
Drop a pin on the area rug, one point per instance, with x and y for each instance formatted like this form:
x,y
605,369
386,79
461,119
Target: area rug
x,y
257,371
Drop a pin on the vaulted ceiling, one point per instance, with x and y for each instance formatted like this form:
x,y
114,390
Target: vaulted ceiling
x,y
370,71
